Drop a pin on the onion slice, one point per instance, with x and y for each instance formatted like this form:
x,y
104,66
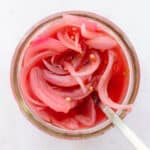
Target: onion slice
x,y
68,42
103,84
73,73
90,68
88,116
24,74
63,81
75,93
102,42
45,44
78,21
46,94
87,33
54,69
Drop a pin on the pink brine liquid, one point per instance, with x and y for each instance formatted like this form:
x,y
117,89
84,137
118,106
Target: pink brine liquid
x,y
71,67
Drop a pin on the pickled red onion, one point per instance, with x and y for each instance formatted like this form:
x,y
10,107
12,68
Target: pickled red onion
x,y
103,84
102,42
74,75
45,44
63,81
63,66
87,33
75,93
66,41
46,94
54,69
90,68
89,115
78,21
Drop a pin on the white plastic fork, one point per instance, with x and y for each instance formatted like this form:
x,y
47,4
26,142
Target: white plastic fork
x,y
127,132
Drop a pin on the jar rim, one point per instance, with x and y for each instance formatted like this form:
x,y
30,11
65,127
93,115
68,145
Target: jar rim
x,y
15,62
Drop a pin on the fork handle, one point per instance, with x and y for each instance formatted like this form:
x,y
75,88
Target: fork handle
x,y
126,131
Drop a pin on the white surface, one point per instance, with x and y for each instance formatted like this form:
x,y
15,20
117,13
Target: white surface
x,y
17,16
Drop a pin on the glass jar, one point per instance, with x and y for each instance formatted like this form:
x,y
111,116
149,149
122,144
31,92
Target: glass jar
x,y
103,126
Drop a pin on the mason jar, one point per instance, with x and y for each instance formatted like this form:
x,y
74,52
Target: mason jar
x,y
102,127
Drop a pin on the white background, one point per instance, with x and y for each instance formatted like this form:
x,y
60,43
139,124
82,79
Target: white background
x,y
17,16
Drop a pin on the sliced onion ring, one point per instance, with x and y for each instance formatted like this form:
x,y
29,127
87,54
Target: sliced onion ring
x,y
66,41
46,94
73,73
103,84
58,80
45,44
90,68
54,68
88,117
78,21
87,33
75,93
102,42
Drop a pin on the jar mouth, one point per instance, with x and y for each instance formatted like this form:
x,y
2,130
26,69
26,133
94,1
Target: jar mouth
x,y
103,126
